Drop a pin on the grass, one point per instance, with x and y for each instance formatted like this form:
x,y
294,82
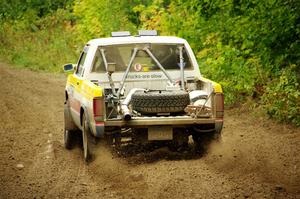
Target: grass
x,y
41,50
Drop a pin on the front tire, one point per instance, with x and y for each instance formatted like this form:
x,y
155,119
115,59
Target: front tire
x,y
69,136
68,139
87,140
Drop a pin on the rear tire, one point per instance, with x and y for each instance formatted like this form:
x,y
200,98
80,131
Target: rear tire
x,y
203,140
180,140
69,126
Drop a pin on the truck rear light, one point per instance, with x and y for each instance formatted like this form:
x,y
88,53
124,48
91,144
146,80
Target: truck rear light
x,y
219,100
98,107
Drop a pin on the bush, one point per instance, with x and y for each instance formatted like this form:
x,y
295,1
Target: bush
x,y
44,44
229,67
282,97
251,47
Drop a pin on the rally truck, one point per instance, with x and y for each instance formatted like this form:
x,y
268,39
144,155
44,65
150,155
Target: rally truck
x,y
143,88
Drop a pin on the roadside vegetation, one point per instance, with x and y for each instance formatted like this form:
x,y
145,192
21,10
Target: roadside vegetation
x,y
251,47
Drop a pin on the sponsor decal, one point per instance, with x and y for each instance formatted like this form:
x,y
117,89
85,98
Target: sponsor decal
x,y
145,76
138,67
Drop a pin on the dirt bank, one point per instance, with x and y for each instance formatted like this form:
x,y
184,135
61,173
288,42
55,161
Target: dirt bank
x,y
257,158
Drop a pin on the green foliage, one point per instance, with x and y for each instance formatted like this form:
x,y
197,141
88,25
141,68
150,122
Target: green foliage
x,y
45,44
16,9
227,66
282,97
102,17
244,45
251,47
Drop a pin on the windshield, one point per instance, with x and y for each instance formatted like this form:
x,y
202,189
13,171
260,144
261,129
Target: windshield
x,y
166,54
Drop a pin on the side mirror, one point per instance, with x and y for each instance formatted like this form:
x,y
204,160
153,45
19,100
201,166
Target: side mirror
x,y
69,68
111,67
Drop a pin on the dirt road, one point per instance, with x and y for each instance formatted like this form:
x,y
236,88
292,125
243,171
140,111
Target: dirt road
x,y
257,158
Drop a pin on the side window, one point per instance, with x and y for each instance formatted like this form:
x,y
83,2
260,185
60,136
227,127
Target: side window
x,y
80,65
98,64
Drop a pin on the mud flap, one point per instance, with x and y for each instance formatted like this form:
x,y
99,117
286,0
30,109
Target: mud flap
x,y
99,129
96,128
218,126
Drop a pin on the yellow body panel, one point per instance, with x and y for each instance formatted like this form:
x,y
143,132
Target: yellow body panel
x,y
90,89
87,89
217,86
